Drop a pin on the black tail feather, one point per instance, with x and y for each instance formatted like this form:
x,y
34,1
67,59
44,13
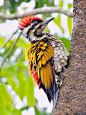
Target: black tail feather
x,y
51,93
46,91
55,95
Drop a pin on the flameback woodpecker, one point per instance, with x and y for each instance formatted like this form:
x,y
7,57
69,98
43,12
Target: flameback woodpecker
x,y
46,56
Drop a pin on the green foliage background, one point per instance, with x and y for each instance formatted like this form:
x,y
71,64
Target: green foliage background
x,y
16,73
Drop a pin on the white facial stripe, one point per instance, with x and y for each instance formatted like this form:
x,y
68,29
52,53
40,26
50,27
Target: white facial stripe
x,y
31,34
25,30
37,26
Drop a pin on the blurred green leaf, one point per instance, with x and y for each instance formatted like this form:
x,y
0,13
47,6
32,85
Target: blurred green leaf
x,y
0,8
24,108
21,65
65,41
22,83
70,6
24,8
69,23
30,91
16,112
7,49
37,111
47,30
21,43
3,112
12,5
61,3
12,71
58,22
7,64
41,3
18,2
9,71
5,100
2,41
9,76
46,15
11,82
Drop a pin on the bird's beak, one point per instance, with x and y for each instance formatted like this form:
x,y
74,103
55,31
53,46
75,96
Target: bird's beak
x,y
43,25
46,21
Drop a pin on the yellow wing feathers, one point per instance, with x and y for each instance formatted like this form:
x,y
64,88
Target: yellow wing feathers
x,y
47,75
40,54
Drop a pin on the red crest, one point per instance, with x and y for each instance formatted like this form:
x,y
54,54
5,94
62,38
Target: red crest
x,y
27,20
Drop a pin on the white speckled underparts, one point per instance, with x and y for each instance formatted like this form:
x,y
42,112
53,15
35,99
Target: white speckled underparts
x,y
60,57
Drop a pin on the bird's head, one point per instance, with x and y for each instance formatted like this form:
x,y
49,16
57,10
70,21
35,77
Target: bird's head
x,y
32,27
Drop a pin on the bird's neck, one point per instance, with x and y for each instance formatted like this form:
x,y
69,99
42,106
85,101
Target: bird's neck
x,y
36,37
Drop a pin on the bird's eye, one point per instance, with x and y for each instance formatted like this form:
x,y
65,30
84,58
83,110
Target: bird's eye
x,y
30,20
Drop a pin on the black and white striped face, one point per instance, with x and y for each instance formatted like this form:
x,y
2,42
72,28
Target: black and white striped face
x,y
33,31
32,27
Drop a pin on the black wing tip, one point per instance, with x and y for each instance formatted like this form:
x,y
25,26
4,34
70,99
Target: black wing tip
x,y
46,91
52,94
55,96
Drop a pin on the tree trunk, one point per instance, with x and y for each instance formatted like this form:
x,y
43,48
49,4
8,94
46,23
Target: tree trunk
x,y
72,97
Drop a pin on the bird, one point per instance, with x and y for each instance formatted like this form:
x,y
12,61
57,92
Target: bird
x,y
47,56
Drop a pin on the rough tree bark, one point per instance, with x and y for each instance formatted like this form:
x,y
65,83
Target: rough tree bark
x,y
72,98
